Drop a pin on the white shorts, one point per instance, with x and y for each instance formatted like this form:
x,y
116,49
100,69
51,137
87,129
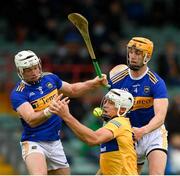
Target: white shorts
x,y
155,140
52,150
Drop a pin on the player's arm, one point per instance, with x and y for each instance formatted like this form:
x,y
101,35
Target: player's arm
x,y
160,110
86,134
81,88
30,116
60,107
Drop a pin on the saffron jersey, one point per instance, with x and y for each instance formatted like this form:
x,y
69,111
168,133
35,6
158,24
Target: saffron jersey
x,y
118,156
39,95
144,89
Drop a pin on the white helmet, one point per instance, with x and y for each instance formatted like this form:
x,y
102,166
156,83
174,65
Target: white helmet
x,y
26,59
121,98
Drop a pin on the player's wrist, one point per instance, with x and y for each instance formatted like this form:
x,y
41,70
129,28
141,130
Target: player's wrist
x,y
47,112
145,130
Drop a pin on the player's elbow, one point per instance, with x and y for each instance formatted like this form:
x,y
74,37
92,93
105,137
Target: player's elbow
x,y
74,93
31,122
71,93
163,117
93,141
33,125
163,120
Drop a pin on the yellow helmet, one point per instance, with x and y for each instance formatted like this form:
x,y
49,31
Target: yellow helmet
x,y
143,44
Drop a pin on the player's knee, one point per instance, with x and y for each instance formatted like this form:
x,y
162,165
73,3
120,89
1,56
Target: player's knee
x,y
156,172
39,172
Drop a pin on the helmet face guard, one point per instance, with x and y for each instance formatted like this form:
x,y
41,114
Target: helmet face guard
x,y
26,59
141,44
121,99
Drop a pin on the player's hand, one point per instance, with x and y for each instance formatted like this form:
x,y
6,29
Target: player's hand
x,y
60,106
101,81
138,133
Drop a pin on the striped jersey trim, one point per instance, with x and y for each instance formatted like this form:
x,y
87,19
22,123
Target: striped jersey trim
x,y
119,76
152,77
21,87
116,123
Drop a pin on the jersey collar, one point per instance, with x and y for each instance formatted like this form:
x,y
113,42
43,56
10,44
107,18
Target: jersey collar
x,y
140,77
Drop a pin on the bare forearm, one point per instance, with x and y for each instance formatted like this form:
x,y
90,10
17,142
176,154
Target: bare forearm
x,y
35,118
82,132
32,117
155,123
79,89
160,109
40,119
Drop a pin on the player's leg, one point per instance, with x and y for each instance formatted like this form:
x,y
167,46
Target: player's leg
x,y
36,164
157,162
157,151
140,150
139,168
34,158
61,171
57,161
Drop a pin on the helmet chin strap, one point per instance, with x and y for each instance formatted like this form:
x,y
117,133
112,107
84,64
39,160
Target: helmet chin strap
x,y
123,114
146,59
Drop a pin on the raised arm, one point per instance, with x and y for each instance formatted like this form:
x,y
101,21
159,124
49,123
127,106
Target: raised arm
x,y
81,88
60,107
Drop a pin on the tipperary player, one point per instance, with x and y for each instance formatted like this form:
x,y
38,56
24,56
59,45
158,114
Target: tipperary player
x,y
42,150
118,155
149,111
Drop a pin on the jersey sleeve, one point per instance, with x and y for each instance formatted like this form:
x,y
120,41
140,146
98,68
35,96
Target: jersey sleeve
x,y
57,80
160,90
114,125
17,99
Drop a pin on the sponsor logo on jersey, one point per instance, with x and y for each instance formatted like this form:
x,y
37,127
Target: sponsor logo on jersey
x,y
44,101
142,102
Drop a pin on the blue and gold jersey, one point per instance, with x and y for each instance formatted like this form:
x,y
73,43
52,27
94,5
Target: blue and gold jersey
x,y
144,89
118,156
39,95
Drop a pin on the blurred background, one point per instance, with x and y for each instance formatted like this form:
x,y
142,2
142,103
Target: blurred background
x,y
42,26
